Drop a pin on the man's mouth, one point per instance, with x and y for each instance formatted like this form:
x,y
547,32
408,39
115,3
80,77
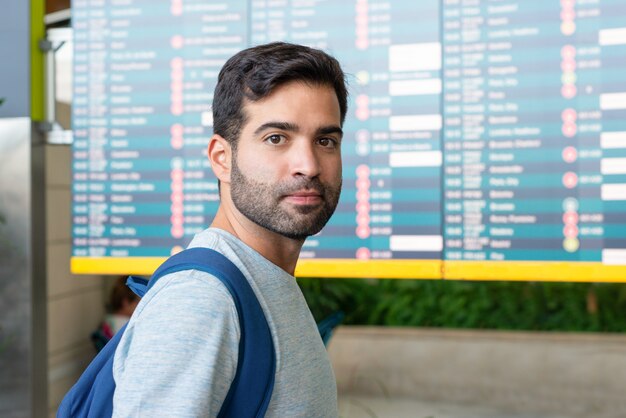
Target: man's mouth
x,y
304,198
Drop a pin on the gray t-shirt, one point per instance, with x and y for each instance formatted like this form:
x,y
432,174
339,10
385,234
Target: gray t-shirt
x,y
178,355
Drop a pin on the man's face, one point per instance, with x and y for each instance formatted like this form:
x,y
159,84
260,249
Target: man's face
x,y
286,171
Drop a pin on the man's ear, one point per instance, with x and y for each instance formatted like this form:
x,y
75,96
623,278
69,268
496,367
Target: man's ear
x,y
219,152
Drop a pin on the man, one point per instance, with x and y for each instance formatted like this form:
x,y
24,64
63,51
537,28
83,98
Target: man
x,y
278,110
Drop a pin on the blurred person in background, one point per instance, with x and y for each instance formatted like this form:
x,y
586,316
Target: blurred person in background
x,y
121,305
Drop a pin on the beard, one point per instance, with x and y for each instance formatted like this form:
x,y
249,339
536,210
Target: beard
x,y
261,203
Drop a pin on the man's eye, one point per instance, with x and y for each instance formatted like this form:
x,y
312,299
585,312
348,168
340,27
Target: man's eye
x,y
275,139
327,142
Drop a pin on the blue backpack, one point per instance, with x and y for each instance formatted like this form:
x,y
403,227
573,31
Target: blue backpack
x,y
251,390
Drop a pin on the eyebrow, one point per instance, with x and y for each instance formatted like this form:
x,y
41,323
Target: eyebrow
x,y
283,126
325,130
292,127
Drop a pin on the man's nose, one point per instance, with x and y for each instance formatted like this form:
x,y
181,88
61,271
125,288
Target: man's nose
x,y
305,160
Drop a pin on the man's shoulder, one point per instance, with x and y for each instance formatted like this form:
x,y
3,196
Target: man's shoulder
x,y
190,285
209,238
187,295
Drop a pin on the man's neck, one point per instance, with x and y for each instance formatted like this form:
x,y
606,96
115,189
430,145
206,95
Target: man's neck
x,y
278,249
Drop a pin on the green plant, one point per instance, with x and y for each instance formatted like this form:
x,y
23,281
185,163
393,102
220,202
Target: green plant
x,y
593,307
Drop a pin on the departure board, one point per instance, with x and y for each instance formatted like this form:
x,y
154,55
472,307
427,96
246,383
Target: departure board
x,y
484,139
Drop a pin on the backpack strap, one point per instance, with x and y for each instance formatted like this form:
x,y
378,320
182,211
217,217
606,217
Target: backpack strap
x,y
138,285
250,392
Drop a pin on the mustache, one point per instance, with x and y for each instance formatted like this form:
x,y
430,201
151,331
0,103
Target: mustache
x,y
300,184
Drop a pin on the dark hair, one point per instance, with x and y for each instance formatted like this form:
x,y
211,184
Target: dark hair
x,y
120,293
255,72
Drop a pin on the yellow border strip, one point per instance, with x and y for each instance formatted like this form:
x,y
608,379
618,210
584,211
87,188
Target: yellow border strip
x,y
376,269
37,32
115,265
394,269
382,269
534,271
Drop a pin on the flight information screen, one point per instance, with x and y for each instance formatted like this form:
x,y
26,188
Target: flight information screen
x,y
484,139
